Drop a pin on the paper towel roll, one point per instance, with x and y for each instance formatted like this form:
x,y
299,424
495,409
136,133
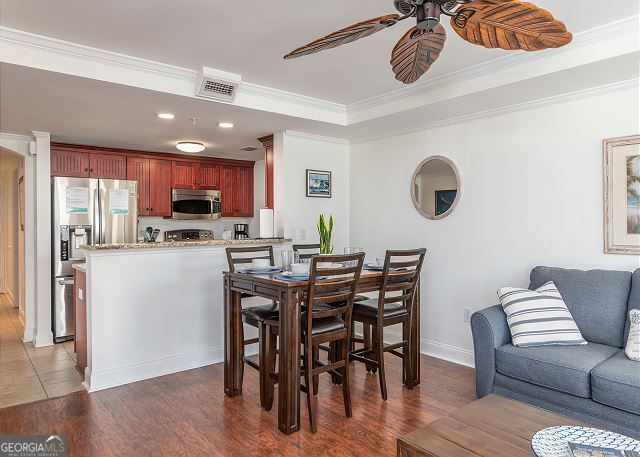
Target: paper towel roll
x,y
266,223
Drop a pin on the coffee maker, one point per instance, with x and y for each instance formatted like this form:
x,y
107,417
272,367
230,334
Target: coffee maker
x,y
241,231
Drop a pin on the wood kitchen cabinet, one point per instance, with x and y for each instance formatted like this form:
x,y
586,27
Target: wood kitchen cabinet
x,y
159,187
93,165
154,185
69,163
195,175
182,175
208,176
236,186
107,166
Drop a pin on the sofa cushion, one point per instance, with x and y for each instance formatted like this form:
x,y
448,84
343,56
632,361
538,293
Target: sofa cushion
x,y
538,317
563,368
616,383
597,300
634,299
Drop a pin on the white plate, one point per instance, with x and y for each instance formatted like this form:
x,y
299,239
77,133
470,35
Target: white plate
x,y
255,270
552,441
373,266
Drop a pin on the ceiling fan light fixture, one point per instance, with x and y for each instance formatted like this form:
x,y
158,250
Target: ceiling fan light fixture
x,y
190,146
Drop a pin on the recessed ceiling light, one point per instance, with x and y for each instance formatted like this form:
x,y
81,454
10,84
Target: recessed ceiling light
x,y
190,146
166,116
225,125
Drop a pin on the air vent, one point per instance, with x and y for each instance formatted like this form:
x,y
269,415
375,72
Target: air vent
x,y
249,149
216,84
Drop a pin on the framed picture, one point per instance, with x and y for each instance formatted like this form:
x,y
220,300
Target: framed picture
x,y
444,200
318,183
622,195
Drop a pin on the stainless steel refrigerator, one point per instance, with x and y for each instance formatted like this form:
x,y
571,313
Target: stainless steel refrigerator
x,y
85,211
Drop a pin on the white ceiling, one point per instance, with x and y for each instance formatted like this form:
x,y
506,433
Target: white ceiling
x,y
85,111
250,37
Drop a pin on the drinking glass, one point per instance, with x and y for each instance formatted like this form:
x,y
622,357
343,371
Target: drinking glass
x,y
288,257
352,250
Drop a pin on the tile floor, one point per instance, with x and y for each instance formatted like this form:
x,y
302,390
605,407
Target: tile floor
x,y
27,373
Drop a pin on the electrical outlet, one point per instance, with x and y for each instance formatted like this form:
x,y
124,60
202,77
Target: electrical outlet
x,y
467,314
303,234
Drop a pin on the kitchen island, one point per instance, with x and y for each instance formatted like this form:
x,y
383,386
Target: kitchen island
x,y
156,308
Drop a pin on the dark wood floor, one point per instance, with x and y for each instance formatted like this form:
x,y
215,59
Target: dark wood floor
x,y
188,414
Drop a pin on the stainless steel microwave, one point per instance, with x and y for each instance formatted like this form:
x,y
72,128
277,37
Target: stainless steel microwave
x,y
195,204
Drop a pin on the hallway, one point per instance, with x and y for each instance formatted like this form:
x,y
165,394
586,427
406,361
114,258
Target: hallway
x,y
27,373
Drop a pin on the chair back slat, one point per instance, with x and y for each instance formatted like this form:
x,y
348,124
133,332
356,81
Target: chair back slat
x,y
237,256
404,281
306,247
338,287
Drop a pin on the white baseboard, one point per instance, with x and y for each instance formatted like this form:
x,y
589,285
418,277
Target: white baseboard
x,y
446,352
11,298
43,339
105,379
435,349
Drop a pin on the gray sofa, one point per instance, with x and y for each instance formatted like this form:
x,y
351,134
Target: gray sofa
x,y
595,383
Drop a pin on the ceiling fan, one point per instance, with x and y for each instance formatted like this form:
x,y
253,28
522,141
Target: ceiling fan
x,y
506,24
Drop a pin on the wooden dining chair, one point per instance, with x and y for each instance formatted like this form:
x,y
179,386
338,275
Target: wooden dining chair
x,y
394,305
302,250
303,254
257,316
326,319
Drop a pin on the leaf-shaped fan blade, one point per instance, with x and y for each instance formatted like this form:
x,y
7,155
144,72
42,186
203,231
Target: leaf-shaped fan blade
x,y
415,52
512,25
347,35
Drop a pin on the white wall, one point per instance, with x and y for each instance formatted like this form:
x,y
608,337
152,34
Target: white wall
x,y
11,239
298,214
532,195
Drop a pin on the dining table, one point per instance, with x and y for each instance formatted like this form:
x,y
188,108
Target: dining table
x,y
290,297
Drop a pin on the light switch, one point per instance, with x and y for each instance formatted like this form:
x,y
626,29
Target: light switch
x,y
303,234
80,294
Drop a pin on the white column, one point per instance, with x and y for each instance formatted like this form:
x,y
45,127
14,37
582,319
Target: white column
x,y
30,261
43,334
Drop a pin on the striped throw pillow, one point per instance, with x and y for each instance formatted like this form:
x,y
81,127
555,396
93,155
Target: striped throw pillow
x,y
539,317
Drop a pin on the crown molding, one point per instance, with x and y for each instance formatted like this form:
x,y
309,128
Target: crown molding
x,y
15,137
91,54
585,38
562,98
314,137
281,95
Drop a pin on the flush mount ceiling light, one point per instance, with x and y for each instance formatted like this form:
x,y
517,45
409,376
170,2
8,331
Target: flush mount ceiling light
x,y
190,146
225,125
166,116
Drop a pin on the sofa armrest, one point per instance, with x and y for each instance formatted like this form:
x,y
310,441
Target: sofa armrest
x,y
490,331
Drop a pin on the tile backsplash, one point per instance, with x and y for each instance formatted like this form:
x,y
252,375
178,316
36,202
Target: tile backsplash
x,y
216,225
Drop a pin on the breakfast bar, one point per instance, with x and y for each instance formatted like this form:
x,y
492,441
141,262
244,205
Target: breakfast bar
x,y
155,308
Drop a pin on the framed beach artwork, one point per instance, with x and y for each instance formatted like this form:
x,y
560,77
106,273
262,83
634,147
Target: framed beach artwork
x,y
622,195
318,183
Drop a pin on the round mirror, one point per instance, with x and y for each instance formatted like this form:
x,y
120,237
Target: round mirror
x,y
436,187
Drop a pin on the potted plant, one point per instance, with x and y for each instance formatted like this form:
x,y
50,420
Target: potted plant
x,y
325,238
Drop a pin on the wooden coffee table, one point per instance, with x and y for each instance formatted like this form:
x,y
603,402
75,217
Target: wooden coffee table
x,y
493,426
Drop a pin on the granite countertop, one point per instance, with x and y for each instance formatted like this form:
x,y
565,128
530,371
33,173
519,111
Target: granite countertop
x,y
180,244
80,267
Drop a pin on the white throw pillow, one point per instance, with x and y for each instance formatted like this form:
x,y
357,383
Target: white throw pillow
x,y
633,341
539,317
